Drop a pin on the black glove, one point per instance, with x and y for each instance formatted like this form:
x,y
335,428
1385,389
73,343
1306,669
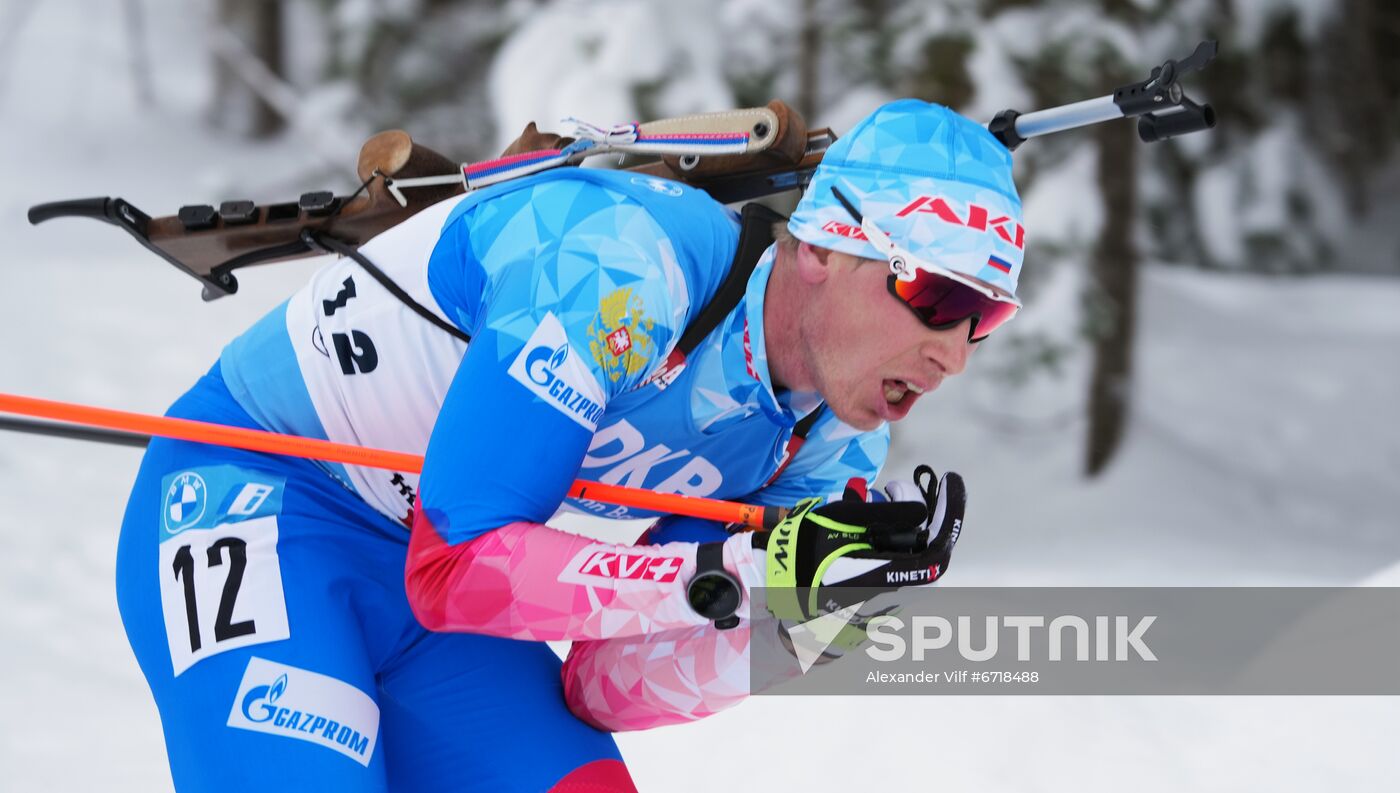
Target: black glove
x,y
905,541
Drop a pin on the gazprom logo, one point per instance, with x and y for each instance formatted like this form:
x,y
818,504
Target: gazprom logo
x,y
541,363
263,697
306,706
547,366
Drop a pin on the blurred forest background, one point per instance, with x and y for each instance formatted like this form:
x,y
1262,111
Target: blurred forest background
x,y
1225,304
1301,176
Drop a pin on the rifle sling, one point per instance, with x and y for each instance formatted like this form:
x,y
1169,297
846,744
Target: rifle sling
x,y
336,246
755,235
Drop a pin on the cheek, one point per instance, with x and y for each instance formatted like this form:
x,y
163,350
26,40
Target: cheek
x,y
856,327
848,323
860,334
885,324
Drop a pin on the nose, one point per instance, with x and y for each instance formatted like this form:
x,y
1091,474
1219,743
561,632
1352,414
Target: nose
x,y
950,347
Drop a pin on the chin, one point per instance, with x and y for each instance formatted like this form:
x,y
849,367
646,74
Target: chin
x,y
861,419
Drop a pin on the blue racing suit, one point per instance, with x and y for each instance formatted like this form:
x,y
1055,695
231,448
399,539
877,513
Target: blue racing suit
x,y
265,597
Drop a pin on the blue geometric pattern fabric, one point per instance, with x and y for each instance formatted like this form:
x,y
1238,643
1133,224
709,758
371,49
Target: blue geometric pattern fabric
x,y
937,183
574,285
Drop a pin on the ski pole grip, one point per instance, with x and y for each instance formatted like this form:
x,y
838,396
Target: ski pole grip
x,y
78,208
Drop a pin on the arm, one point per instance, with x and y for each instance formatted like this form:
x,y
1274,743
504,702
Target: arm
x,y
641,682
650,681
528,581
517,421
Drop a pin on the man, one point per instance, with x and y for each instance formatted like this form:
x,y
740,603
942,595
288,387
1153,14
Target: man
x,y
279,609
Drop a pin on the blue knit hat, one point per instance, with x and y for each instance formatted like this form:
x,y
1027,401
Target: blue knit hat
x,y
937,183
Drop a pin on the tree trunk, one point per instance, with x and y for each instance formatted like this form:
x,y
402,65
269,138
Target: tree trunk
x,y
135,18
1115,274
236,105
809,46
1353,113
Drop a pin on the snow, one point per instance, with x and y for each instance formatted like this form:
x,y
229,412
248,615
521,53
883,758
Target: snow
x,y
1262,450
593,60
1064,202
851,107
998,87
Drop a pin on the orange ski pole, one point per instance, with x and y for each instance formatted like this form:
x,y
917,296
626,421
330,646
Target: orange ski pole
x,y
751,515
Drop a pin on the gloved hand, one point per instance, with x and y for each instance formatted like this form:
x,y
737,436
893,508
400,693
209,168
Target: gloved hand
x,y
904,541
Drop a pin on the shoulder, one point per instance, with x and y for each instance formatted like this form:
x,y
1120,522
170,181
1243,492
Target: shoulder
x,y
613,261
636,226
580,200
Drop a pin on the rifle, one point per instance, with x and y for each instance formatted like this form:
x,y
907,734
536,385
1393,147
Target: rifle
x,y
735,156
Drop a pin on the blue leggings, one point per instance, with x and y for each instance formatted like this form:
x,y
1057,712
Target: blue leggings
x,y
265,604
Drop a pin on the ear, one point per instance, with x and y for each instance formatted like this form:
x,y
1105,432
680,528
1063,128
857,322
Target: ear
x,y
813,263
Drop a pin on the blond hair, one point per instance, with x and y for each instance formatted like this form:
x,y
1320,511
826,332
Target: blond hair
x,y
782,236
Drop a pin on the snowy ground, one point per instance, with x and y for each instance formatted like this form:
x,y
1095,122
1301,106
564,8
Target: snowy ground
x,y
1263,450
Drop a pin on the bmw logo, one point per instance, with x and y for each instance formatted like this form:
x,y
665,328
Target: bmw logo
x,y
185,501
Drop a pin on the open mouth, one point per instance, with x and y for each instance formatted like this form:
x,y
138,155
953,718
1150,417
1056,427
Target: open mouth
x,y
897,390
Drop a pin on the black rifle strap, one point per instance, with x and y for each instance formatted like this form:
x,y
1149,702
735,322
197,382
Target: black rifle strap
x,y
336,246
755,235
805,425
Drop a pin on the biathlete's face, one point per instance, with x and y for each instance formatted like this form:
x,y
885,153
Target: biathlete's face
x,y
871,357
